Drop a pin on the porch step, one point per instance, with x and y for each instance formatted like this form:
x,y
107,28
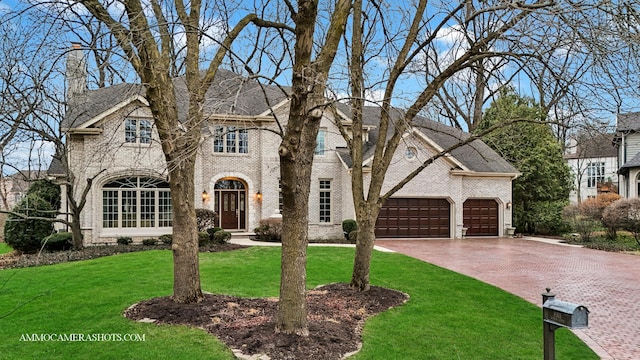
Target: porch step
x,y
241,234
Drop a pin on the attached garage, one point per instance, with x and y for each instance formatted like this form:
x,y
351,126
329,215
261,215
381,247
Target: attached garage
x,y
414,218
480,217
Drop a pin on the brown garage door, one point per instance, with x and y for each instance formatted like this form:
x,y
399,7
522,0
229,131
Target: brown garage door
x,y
411,217
480,217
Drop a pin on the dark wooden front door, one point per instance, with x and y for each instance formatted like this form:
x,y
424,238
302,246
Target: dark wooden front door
x,y
229,210
414,218
480,217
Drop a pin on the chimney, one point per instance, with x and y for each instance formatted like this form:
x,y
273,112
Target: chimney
x,y
76,71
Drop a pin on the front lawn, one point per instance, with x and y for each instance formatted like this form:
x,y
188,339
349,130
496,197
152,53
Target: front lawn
x,y
4,248
449,316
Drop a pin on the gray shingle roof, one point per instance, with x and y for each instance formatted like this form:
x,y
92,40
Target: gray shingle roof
x,y
229,94
86,106
476,156
628,122
633,163
597,146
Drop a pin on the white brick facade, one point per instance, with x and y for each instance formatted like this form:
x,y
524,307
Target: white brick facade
x,y
107,156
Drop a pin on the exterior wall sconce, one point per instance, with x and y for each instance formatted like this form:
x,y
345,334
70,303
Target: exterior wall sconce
x,y
205,196
508,205
259,196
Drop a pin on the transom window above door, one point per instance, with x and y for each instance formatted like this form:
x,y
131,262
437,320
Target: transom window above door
x,y
230,140
229,185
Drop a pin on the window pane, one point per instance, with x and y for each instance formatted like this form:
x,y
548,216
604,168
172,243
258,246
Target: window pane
x,y
130,131
325,201
218,139
129,208
320,142
110,208
231,139
147,209
145,132
243,141
165,211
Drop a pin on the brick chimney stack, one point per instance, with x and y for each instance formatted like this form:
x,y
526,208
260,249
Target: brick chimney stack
x,y
76,71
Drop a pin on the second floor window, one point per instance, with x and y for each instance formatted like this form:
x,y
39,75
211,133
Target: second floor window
x,y
320,142
595,173
137,131
231,140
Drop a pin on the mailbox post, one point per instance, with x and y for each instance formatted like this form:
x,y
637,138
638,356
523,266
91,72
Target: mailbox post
x,y
555,314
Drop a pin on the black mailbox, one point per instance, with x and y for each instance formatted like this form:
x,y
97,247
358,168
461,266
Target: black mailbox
x,y
565,314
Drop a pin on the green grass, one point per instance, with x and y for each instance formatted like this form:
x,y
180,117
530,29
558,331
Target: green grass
x,y
449,316
4,248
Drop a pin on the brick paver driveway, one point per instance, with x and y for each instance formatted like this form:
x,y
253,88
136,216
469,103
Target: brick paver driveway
x,y
608,284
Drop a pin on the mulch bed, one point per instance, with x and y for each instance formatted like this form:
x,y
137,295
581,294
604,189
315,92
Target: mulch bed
x,y
14,260
336,315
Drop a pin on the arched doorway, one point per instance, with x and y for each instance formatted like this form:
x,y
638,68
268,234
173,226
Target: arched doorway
x,y
230,202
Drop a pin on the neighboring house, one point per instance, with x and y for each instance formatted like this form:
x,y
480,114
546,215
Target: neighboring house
x,y
628,144
594,163
111,134
14,187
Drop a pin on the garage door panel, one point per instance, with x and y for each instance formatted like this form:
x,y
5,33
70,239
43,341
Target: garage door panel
x,y
414,217
480,217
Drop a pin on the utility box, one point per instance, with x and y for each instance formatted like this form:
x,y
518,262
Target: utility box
x,y
565,314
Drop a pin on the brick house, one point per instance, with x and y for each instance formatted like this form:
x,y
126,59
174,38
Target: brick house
x,y
111,134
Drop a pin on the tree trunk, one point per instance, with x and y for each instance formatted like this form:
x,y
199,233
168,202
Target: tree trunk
x,y
364,248
186,272
292,307
76,232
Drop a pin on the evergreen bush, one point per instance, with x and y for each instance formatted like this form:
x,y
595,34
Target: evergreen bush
x,y
58,241
149,242
221,237
348,226
26,234
124,240
166,239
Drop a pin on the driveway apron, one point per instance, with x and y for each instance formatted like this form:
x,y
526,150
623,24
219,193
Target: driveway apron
x,y
608,284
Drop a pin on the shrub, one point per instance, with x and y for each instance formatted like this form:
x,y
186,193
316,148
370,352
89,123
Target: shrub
x,y
270,230
213,230
25,235
624,214
47,191
166,239
221,237
203,238
205,219
124,240
594,207
580,223
546,218
58,241
149,242
353,236
349,225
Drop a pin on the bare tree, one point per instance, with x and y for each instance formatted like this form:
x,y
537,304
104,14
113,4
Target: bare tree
x,y
296,153
420,37
146,33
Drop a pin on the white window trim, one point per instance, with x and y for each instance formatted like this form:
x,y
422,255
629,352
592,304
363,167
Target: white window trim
x,y
320,210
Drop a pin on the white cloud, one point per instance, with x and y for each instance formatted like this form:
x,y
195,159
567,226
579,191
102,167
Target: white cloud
x,y
28,155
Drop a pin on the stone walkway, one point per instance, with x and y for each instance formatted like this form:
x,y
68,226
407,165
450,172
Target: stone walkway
x,y
608,284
